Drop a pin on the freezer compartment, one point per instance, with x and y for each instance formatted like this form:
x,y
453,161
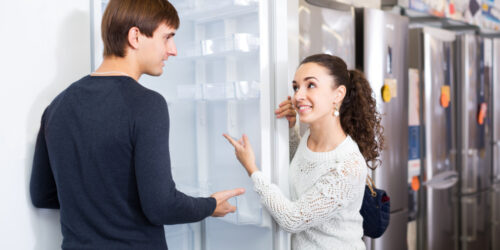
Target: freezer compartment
x,y
475,221
394,237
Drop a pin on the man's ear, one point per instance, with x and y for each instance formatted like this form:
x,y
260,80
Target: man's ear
x,y
133,37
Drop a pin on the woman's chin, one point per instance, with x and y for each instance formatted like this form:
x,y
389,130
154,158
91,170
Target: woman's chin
x,y
305,120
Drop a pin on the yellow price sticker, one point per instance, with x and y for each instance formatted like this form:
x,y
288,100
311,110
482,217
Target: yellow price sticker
x,y
386,93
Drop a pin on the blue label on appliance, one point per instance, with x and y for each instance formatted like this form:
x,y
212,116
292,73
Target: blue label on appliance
x,y
413,142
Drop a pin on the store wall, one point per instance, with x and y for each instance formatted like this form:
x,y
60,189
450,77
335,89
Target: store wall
x,y
45,45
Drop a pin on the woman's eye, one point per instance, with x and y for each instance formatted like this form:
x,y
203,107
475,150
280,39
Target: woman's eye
x,y
295,88
311,85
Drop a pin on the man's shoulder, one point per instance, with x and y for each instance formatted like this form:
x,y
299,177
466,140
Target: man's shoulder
x,y
139,95
132,91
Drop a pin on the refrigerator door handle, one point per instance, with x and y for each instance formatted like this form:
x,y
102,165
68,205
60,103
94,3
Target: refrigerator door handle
x,y
465,218
470,171
443,180
496,159
330,4
494,218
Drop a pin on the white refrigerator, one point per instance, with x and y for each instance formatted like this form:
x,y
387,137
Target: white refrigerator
x,y
235,61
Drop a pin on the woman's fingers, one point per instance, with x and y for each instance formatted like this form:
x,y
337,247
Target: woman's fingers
x,y
245,140
285,110
290,112
285,107
288,100
232,141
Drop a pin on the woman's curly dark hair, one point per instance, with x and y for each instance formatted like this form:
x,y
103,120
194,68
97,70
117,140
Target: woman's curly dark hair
x,y
359,117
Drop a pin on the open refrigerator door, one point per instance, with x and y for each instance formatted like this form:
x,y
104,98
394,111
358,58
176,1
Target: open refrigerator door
x,y
223,81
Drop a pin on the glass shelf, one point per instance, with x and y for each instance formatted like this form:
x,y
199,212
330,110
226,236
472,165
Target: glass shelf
x,y
249,210
246,212
209,10
235,44
240,90
181,236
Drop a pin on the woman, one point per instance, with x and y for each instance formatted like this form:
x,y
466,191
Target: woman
x,y
329,166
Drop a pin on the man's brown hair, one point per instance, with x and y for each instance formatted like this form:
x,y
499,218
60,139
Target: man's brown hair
x,y
121,15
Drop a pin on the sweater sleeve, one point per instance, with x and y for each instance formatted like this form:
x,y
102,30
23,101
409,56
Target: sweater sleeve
x,y
161,202
331,192
294,141
43,189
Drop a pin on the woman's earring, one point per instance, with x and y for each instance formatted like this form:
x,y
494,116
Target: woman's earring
x,y
336,112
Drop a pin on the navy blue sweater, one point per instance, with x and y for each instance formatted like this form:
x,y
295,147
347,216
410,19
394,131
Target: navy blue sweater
x,y
102,157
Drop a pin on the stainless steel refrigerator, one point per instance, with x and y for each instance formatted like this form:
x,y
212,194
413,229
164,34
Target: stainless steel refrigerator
x,y
381,52
432,54
495,142
474,142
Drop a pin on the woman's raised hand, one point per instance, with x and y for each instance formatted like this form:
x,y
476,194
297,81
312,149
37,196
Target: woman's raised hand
x,y
244,153
287,110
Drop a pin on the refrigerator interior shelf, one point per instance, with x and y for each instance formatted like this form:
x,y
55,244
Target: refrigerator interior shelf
x,y
237,45
240,90
246,213
180,235
210,10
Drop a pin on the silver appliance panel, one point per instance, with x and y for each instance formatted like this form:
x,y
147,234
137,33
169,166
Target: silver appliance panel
x,y
475,221
440,221
473,140
325,27
385,38
495,107
395,236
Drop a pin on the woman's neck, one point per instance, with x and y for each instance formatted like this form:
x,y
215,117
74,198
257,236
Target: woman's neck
x,y
325,135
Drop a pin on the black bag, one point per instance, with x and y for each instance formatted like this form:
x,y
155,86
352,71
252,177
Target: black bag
x,y
375,210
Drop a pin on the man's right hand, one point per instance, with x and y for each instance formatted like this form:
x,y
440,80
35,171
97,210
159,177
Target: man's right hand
x,y
223,206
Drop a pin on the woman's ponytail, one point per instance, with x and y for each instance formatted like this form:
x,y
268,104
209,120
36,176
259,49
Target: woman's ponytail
x,y
360,119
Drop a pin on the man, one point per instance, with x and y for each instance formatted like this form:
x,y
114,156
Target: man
x,y
102,152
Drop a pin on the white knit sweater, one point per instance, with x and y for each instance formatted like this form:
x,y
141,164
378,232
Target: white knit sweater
x,y
326,191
